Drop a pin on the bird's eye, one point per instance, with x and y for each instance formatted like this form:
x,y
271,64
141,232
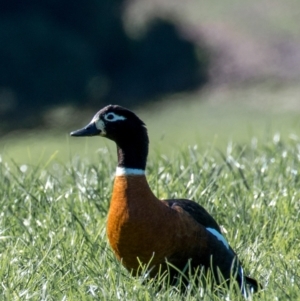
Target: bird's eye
x,y
109,116
113,117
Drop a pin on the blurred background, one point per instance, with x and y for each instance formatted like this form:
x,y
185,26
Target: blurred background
x,y
196,71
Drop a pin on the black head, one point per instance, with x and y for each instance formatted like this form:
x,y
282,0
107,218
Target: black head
x,y
113,122
122,126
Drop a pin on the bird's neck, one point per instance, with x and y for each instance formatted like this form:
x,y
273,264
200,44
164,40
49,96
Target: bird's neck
x,y
132,156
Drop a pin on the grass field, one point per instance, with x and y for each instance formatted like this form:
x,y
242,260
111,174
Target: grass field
x,y
240,160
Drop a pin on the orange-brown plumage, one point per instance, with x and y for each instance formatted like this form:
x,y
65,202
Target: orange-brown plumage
x,y
144,229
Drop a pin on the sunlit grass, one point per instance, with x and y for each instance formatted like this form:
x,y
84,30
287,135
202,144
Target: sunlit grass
x,y
53,244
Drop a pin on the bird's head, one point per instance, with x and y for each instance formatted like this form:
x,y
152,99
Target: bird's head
x,y
116,123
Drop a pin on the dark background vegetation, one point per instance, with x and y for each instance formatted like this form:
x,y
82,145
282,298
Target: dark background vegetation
x,y
55,53
58,57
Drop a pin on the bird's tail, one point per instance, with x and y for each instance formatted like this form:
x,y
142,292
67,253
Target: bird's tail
x,y
252,284
248,285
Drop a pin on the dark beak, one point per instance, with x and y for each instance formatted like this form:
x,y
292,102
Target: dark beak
x,y
89,130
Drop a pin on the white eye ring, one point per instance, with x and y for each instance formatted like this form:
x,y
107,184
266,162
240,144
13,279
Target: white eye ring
x,y
112,117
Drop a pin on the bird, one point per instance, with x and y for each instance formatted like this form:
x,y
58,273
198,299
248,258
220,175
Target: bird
x,y
143,229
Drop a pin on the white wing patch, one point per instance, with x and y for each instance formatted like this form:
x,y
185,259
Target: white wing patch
x,y
219,236
112,117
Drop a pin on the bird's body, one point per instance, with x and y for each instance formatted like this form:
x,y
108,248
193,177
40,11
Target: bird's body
x,y
143,229
140,227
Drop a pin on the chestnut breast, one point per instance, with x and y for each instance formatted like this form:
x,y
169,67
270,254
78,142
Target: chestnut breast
x,y
141,226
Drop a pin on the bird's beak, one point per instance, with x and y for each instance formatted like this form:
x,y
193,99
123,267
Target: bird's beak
x,y
89,130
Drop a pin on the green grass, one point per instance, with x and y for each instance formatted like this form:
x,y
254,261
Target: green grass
x,y
237,153
53,244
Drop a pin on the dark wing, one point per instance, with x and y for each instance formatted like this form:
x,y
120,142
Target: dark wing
x,y
201,216
196,211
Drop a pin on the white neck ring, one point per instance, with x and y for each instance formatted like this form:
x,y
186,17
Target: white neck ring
x,y
124,171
